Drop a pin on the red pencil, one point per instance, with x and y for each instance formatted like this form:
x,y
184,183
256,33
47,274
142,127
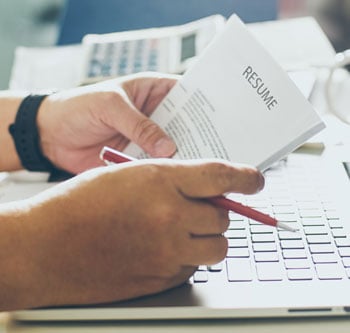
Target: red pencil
x,y
109,155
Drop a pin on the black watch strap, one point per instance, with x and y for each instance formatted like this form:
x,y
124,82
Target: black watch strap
x,y
26,137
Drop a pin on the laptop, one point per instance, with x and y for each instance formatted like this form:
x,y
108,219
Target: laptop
x,y
267,272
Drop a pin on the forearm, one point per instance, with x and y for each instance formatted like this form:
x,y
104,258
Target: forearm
x,y
9,103
19,282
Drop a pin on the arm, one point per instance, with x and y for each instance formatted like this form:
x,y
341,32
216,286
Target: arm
x,y
75,124
97,238
9,103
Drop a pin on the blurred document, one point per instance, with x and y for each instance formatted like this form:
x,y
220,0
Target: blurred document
x,y
53,68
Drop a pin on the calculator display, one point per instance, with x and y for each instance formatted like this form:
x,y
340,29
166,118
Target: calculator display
x,y
188,47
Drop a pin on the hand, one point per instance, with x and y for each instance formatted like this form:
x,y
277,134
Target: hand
x,y
123,231
74,125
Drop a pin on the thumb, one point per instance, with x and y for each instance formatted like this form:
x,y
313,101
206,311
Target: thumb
x,y
141,130
151,138
212,178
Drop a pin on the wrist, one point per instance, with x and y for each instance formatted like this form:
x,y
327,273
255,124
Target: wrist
x,y
9,160
26,136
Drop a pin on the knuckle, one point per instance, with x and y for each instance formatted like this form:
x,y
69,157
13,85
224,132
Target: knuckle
x,y
222,173
255,181
109,98
152,172
146,131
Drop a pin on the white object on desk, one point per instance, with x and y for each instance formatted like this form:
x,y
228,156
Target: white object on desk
x,y
41,68
298,43
167,49
22,185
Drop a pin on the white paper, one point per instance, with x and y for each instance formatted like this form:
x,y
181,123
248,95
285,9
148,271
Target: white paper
x,y
47,68
297,43
214,110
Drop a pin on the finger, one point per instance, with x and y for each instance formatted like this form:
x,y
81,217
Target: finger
x,y
205,179
140,129
205,250
149,90
205,219
185,273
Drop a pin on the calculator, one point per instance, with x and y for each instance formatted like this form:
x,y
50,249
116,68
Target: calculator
x,y
167,49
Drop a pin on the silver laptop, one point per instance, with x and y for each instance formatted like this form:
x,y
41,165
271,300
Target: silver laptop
x,y
267,272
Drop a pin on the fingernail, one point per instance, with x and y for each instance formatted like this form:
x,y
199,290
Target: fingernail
x,y
164,147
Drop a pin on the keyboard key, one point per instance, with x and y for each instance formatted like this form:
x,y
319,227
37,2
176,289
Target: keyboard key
x,y
325,258
294,225
261,229
266,257
299,274
315,230
344,251
346,262
335,224
312,222
287,235
286,217
238,225
269,271
332,215
307,205
296,263
338,233
292,244
236,234
342,242
239,270
294,254
237,242
348,272
283,202
200,277
258,203
263,238
264,247
318,239
328,206
310,213
329,271
321,248
284,210
238,253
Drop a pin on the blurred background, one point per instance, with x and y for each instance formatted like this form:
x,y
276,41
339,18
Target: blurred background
x,y
37,23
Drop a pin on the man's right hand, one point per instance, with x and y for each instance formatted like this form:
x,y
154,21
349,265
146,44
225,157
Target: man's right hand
x,y
124,231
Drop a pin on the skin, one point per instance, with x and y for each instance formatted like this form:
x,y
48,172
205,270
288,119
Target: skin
x,y
115,114
97,237
75,124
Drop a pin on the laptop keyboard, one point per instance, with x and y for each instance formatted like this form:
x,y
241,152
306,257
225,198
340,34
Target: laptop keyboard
x,y
298,196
